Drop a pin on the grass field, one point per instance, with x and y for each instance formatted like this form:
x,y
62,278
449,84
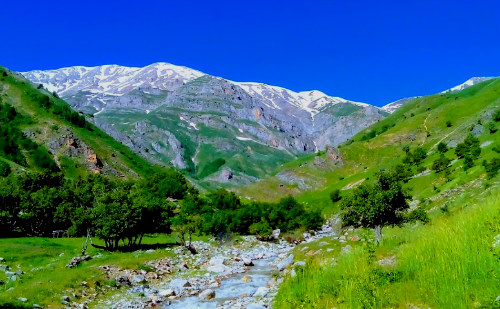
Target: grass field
x,y
47,279
448,263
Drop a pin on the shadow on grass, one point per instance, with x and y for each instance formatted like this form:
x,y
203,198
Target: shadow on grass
x,y
137,247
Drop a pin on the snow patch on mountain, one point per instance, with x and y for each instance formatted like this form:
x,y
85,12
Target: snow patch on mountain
x,y
470,82
113,79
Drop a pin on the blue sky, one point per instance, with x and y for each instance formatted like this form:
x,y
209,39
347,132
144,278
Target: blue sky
x,y
369,51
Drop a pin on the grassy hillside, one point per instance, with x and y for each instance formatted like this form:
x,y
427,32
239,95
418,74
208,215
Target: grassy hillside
x,y
424,122
450,262
42,133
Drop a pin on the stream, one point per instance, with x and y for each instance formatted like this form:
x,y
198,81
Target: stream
x,y
231,288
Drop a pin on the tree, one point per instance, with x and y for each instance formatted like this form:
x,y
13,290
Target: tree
x,y
440,164
4,169
442,147
470,146
492,127
262,229
468,161
188,220
448,123
496,116
406,148
492,167
335,196
376,205
117,218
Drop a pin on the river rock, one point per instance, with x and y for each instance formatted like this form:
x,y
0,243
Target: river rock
x,y
138,279
178,285
216,265
299,264
276,234
123,280
167,293
207,294
247,261
261,292
285,263
346,249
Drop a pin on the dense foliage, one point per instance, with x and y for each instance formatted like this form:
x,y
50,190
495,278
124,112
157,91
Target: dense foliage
x,y
121,212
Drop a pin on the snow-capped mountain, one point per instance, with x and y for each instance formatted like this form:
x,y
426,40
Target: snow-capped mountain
x,y
113,79
177,115
470,82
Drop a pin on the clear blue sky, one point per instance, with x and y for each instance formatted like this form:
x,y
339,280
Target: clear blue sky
x,y
369,51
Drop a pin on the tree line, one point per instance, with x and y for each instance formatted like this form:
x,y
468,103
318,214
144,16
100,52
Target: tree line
x,y
122,212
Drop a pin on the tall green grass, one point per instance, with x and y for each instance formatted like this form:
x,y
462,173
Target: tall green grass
x,y
450,263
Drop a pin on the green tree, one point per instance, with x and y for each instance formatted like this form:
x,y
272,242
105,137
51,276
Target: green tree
x,y
188,221
376,205
440,164
492,167
496,116
335,196
492,127
468,161
4,169
442,147
117,218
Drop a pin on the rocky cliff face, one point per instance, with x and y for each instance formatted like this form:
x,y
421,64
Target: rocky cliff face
x,y
207,125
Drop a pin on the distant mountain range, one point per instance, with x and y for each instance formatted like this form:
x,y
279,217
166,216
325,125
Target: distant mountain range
x,y
216,129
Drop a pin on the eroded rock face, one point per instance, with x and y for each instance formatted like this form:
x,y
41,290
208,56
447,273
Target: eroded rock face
x,y
68,145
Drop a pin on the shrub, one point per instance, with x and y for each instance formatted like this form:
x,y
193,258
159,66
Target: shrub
x,y
4,169
492,127
262,229
496,116
440,164
335,196
442,147
492,167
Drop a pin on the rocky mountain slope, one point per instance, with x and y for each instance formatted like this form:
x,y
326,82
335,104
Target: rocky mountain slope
x,y
40,132
218,130
422,122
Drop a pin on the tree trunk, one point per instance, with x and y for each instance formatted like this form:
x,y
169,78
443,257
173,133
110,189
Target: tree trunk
x,y
378,233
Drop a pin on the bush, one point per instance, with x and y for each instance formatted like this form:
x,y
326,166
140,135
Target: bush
x,y
492,167
496,116
262,229
417,215
470,147
492,127
442,147
335,196
4,169
440,164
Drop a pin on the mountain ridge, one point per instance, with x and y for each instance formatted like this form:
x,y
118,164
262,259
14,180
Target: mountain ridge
x,y
183,117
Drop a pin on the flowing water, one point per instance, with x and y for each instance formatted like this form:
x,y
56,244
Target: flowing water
x,y
233,287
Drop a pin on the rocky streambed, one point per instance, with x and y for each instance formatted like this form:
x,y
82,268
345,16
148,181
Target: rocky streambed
x,y
245,274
